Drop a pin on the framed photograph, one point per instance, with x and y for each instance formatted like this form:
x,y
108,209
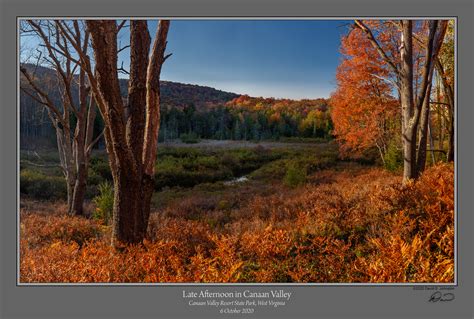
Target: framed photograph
x,y
240,160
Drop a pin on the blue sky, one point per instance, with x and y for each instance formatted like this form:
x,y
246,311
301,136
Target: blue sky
x,y
269,58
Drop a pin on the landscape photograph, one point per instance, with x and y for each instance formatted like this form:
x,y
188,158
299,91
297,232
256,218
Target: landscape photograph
x,y
310,151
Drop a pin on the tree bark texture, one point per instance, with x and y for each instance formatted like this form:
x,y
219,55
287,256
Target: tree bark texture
x,y
131,140
412,104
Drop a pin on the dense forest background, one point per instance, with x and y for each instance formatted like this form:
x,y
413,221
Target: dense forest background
x,y
191,112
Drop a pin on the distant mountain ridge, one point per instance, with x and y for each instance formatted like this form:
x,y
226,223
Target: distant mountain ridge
x,y
174,94
180,95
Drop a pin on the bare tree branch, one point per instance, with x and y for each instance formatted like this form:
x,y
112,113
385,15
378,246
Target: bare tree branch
x,y
167,56
92,144
121,25
58,65
386,80
123,48
45,100
122,69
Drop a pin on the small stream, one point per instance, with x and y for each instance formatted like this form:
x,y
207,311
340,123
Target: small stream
x,y
237,180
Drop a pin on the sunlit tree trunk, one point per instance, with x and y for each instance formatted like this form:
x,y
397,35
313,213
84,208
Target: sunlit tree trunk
x,y
424,123
131,141
412,106
409,123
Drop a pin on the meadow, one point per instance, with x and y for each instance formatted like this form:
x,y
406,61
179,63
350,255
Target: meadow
x,y
245,212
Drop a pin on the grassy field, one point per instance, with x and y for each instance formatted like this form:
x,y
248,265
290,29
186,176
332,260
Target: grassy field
x,y
207,164
246,212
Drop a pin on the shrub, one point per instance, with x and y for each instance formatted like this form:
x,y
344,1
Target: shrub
x,y
45,229
40,186
394,157
179,152
231,161
295,175
189,138
202,162
99,166
94,179
105,203
272,170
189,171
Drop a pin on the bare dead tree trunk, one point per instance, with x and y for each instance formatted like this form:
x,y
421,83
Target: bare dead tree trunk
x,y
433,45
74,150
66,160
424,120
449,93
409,122
132,140
82,140
432,146
439,114
421,108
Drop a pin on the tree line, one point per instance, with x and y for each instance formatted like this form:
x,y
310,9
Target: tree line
x,y
248,118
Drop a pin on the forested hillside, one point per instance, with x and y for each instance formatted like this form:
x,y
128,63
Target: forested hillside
x,y
35,124
191,112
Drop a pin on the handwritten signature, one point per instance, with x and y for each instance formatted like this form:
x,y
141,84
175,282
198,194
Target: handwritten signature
x,y
442,297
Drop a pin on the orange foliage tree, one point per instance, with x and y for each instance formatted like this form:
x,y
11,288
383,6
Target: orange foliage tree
x,y
363,109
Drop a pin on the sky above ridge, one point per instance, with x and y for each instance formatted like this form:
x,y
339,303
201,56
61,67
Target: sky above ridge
x,y
271,58
293,59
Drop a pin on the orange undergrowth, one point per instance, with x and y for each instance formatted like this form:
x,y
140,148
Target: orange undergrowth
x,y
351,225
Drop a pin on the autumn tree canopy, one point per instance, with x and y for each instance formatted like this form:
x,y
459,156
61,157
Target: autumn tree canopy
x,y
385,64
363,108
